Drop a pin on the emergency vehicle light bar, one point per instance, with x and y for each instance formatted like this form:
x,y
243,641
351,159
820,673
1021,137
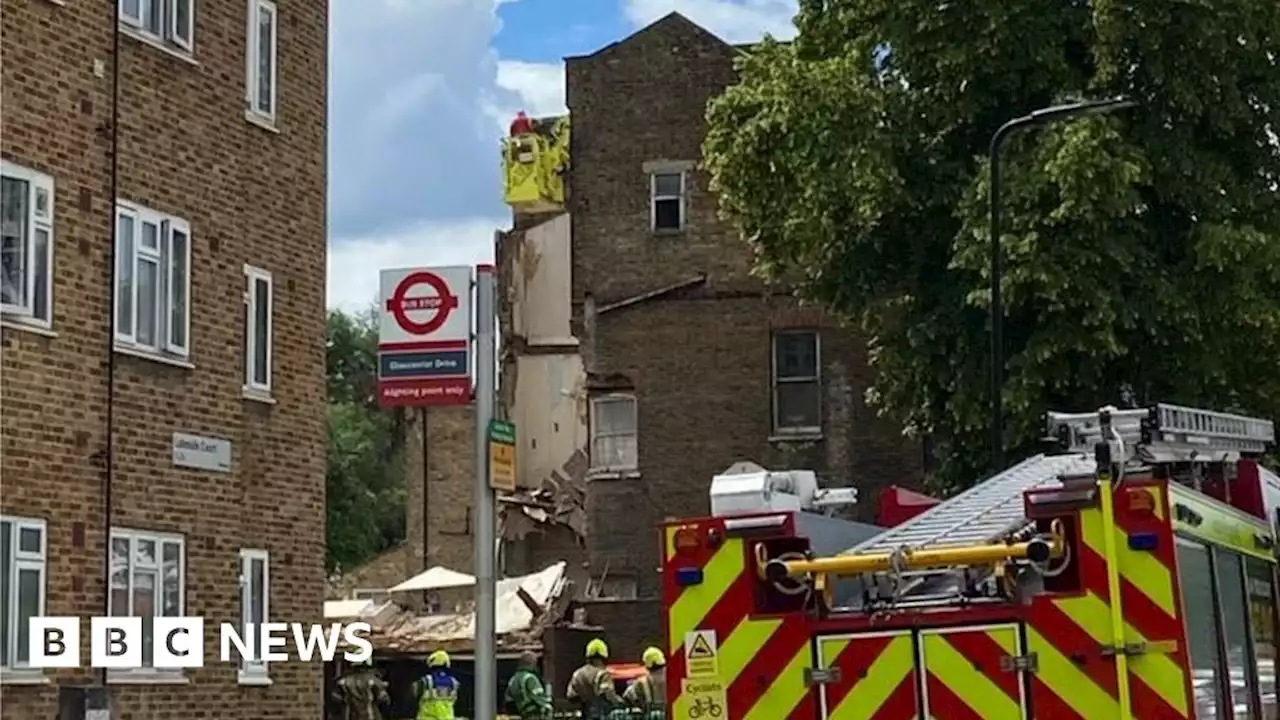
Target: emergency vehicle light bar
x,y
1191,433
1037,550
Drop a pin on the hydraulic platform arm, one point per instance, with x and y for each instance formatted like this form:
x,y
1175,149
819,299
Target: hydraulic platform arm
x,y
1037,550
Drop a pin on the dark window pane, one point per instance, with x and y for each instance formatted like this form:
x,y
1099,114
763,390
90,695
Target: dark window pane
x,y
14,260
666,214
1232,602
124,275
261,330
667,184
796,355
1262,604
1202,627
119,577
6,567
29,540
178,290
799,405
40,296
28,607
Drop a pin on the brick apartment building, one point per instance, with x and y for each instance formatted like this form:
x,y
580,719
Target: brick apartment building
x,y
691,364
196,433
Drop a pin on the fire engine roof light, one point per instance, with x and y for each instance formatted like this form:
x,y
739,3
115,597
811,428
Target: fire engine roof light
x,y
688,576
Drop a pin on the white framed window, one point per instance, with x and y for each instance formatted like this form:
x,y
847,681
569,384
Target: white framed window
x,y
667,200
23,555
613,433
797,382
26,245
148,579
260,59
153,281
259,304
171,22
255,602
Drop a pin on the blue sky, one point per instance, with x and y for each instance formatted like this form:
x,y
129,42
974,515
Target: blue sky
x,y
421,91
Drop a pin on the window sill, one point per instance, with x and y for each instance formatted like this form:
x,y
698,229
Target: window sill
x,y
612,474
256,395
257,678
261,121
146,676
796,436
145,39
24,326
154,357
23,676
668,232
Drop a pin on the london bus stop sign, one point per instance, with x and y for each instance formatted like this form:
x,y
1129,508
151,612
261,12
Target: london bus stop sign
x,y
424,336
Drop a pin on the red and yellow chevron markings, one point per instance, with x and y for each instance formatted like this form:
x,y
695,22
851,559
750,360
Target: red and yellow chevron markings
x,y
1074,679
760,662
877,677
965,677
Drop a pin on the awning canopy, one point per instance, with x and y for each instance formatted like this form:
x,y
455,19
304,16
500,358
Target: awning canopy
x,y
437,578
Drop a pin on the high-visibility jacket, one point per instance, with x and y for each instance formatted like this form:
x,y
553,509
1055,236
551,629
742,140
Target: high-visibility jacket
x,y
591,686
526,695
437,693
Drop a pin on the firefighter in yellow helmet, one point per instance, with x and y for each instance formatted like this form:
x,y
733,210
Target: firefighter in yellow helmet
x,y
437,691
591,686
649,691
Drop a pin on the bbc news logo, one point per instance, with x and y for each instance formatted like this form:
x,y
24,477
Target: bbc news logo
x,y
178,642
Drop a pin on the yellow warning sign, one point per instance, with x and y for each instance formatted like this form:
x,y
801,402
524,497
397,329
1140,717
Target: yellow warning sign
x,y
702,700
700,654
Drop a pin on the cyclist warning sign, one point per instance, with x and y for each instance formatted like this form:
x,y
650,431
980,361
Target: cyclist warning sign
x,y
700,654
702,700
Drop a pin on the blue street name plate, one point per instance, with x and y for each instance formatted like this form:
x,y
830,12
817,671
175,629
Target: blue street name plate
x,y
423,364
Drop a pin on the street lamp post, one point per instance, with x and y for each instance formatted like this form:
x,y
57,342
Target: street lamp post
x,y
1043,116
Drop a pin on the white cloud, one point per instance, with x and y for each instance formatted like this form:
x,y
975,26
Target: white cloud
x,y
536,88
409,79
418,101
354,263
734,21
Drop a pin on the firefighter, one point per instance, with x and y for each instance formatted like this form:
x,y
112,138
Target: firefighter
x,y
522,125
649,691
526,695
362,692
591,686
437,691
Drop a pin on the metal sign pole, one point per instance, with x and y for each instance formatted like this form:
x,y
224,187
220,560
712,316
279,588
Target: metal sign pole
x,y
486,662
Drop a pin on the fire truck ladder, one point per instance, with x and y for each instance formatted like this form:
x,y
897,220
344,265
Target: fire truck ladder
x,y
982,514
975,525
1165,433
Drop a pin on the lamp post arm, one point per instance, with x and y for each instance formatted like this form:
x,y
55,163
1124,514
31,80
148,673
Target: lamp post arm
x,y
997,306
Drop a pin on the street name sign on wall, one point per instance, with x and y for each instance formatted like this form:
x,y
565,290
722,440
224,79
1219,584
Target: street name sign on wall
x,y
424,337
502,456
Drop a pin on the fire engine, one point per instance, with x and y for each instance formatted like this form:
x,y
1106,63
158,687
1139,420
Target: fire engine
x,y
1129,573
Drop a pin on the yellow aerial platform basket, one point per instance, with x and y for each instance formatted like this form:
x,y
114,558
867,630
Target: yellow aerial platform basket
x,y
535,159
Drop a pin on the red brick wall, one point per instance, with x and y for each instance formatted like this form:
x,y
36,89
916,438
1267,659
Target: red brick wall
x,y
699,358
251,196
450,492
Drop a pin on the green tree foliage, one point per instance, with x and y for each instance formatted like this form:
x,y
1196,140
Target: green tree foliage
x,y
366,493
1142,249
